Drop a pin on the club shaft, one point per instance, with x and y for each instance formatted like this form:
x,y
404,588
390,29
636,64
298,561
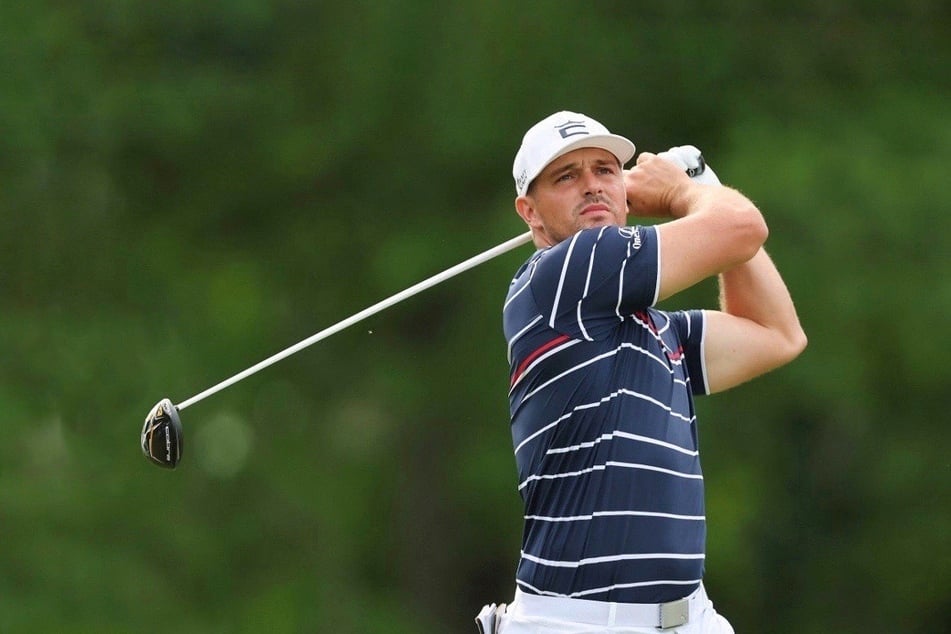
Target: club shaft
x,y
363,314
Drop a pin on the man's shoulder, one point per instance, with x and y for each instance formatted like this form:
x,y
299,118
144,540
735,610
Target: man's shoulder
x,y
628,238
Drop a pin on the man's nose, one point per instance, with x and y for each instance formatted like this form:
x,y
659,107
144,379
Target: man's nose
x,y
591,182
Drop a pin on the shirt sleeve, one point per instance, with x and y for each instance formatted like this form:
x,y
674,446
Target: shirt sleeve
x,y
586,284
690,326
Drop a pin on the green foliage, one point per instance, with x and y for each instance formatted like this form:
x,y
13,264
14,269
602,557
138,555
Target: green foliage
x,y
188,188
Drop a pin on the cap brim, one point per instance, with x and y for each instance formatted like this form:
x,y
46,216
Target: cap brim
x,y
617,145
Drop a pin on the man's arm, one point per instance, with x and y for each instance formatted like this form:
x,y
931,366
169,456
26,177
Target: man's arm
x,y
716,230
756,329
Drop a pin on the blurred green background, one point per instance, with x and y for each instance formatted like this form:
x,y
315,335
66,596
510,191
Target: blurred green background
x,y
190,187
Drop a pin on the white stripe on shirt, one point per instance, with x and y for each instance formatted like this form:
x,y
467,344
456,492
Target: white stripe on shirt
x,y
616,586
598,403
527,283
519,334
527,371
584,295
591,516
626,435
561,280
583,364
603,467
608,558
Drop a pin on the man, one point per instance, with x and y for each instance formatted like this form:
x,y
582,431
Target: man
x,y
602,382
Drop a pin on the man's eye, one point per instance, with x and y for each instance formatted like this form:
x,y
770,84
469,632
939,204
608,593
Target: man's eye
x,y
564,177
607,169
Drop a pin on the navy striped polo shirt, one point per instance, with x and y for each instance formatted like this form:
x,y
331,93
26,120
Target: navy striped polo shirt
x,y
603,422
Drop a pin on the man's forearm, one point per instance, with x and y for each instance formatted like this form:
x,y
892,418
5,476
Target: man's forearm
x,y
755,290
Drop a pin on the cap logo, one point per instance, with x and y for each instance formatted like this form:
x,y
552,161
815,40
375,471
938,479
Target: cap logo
x,y
571,128
521,180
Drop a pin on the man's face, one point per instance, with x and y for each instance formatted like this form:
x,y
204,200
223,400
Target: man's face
x,y
581,189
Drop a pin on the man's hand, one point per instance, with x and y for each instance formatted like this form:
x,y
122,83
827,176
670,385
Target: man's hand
x,y
656,187
654,190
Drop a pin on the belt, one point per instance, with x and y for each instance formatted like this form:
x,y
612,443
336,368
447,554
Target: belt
x,y
659,615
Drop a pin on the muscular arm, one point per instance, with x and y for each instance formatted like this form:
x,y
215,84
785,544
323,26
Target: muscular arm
x,y
713,228
756,329
716,230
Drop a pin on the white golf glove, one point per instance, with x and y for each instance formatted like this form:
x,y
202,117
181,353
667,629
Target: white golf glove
x,y
689,158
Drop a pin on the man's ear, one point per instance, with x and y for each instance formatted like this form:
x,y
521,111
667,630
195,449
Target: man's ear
x,y
525,207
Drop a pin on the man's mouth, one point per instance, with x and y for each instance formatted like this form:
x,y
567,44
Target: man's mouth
x,y
594,208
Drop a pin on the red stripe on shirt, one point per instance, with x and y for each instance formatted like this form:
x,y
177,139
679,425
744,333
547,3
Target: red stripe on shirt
x,y
537,353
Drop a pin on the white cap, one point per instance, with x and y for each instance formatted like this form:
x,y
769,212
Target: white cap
x,y
557,135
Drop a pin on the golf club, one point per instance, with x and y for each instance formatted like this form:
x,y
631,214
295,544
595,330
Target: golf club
x,y
162,433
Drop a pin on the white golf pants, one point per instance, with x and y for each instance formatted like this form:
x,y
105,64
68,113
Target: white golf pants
x,y
531,614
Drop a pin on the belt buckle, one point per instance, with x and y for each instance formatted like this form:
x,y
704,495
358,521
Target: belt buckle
x,y
674,614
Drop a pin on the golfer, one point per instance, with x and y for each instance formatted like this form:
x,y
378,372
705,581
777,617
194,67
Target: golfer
x,y
602,381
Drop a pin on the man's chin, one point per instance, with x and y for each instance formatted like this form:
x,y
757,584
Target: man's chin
x,y
598,220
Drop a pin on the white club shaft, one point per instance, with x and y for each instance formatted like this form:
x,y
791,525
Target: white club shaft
x,y
363,314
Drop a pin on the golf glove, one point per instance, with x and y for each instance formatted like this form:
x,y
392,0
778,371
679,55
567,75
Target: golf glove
x,y
691,160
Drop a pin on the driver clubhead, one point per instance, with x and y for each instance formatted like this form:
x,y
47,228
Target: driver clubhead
x,y
162,435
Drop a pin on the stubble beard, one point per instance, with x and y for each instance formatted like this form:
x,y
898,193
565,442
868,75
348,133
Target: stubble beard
x,y
602,218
